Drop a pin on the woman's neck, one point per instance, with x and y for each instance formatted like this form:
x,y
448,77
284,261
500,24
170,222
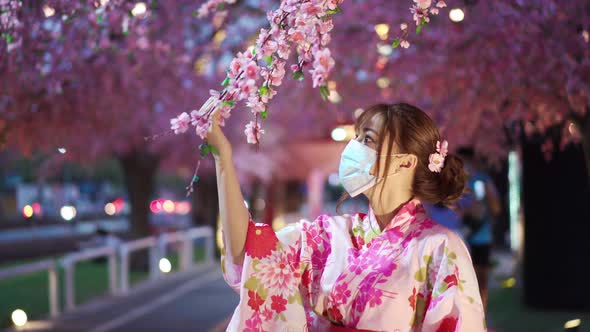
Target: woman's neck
x,y
387,207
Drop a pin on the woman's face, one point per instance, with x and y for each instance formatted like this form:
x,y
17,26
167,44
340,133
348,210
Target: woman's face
x,y
368,132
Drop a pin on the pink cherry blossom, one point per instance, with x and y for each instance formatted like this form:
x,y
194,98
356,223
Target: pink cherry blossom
x,y
253,132
441,4
181,123
404,43
423,3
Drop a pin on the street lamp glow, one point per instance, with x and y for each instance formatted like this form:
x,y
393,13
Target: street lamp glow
x,y
168,206
570,324
339,134
334,97
139,9
110,209
456,15
62,150
383,82
48,11
384,49
382,30
28,211
19,317
67,212
165,265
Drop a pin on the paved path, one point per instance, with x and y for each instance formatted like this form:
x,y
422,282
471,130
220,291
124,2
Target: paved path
x,y
195,301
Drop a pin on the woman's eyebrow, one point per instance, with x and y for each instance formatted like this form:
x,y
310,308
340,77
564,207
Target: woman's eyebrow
x,y
370,129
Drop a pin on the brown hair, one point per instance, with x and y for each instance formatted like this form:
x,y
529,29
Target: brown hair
x,y
415,133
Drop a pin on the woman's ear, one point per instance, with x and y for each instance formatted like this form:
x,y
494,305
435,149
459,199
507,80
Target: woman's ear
x,y
409,162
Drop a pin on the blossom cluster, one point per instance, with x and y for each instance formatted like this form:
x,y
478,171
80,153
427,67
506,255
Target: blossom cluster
x,y
9,23
254,75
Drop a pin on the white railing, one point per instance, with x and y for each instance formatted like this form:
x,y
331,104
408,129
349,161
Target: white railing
x,y
47,264
186,239
127,248
155,245
69,264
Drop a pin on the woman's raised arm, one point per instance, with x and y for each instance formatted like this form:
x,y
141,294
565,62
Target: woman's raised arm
x,y
233,212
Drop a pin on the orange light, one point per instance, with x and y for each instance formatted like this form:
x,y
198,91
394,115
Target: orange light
x,y
28,211
168,206
183,207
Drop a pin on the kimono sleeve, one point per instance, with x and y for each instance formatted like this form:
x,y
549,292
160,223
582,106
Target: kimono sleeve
x,y
268,280
455,303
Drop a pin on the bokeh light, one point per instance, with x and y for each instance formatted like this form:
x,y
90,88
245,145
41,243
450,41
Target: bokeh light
x,y
168,206
67,212
28,211
456,15
139,9
19,317
110,209
165,265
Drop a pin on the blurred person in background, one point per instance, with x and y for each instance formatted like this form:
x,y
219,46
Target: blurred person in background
x,y
480,206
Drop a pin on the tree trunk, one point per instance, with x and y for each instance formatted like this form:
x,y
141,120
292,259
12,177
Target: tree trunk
x,y
205,204
139,168
583,125
586,146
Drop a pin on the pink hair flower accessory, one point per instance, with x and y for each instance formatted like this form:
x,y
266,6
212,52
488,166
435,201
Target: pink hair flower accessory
x,y
437,159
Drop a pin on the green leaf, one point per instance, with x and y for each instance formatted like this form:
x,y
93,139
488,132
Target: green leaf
x,y
268,60
264,114
99,19
298,75
126,33
395,43
220,6
251,284
324,92
334,11
225,82
420,26
195,178
263,90
9,39
195,13
254,49
282,316
228,103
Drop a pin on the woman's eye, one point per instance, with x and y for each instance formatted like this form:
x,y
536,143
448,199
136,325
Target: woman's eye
x,y
368,140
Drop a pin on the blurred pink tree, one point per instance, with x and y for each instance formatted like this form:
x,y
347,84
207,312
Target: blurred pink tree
x,y
98,76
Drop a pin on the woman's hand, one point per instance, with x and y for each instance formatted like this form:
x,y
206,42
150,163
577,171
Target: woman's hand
x,y
216,138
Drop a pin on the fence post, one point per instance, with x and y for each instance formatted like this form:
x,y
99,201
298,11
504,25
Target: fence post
x,y
69,280
124,255
112,261
209,250
53,292
186,258
154,260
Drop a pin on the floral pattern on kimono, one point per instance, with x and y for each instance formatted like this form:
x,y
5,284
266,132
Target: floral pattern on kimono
x,y
415,275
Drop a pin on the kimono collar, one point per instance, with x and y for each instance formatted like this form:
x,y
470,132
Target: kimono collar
x,y
405,215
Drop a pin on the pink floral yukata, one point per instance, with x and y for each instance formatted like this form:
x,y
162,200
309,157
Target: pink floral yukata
x,y
415,275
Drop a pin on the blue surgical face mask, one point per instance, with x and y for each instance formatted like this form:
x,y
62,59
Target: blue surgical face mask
x,y
356,162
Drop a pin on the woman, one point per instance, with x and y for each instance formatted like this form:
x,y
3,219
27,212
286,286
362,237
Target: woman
x,y
392,269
